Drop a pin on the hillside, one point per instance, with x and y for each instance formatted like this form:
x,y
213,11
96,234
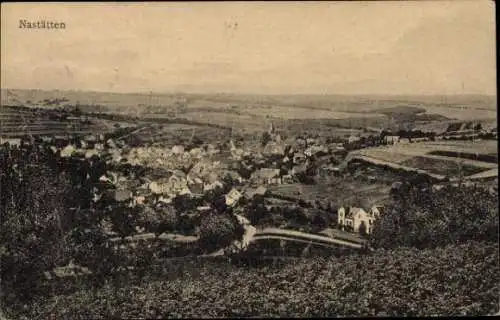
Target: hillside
x,y
465,283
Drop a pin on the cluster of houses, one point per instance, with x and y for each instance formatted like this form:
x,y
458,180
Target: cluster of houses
x,y
458,130
199,170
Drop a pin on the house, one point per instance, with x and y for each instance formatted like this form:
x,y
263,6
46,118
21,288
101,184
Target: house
x,y
212,186
288,178
234,176
83,144
111,144
437,187
390,139
277,180
233,197
139,200
250,193
11,142
310,141
355,218
90,153
46,139
159,187
204,208
196,153
265,175
90,138
273,148
195,185
178,149
184,190
299,158
242,220
122,195
316,151
352,139
67,151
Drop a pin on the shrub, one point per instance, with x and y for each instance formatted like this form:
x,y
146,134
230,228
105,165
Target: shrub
x,y
256,210
158,220
218,231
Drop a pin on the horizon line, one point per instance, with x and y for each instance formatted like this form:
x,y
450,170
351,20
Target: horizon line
x,y
258,94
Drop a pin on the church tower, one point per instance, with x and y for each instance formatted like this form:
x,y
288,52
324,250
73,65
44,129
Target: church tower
x,y
271,129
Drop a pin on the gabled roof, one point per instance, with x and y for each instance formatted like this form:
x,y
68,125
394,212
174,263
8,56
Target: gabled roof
x,y
266,173
261,190
354,211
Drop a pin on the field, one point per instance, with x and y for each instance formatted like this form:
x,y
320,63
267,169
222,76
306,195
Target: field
x,y
170,134
252,112
438,157
438,166
338,190
16,122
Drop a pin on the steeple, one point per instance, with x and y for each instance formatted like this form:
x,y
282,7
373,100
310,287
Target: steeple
x,y
271,128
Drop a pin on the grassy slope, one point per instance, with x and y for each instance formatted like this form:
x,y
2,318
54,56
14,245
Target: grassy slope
x,y
459,279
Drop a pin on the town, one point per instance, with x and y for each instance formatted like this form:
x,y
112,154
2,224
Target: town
x,y
267,182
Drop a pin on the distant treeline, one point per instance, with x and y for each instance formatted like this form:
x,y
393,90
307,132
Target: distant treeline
x,y
409,134
492,158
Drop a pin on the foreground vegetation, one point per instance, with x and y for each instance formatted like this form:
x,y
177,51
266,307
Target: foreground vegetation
x,y
454,280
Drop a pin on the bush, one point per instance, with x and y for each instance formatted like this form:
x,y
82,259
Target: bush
x,y
218,231
256,210
158,220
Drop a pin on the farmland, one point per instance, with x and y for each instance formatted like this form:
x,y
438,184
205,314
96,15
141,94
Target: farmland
x,y
340,191
18,121
251,112
174,133
437,157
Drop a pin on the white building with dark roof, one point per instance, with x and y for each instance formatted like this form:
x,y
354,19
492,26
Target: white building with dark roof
x,y
356,219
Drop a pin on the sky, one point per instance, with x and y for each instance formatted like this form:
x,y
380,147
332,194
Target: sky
x,y
413,47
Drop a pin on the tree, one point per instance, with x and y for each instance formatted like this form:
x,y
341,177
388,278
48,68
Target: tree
x,y
34,225
218,231
158,220
256,210
422,217
266,137
362,228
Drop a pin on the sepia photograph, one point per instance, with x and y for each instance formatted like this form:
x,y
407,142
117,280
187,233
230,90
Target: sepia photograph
x,y
290,159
